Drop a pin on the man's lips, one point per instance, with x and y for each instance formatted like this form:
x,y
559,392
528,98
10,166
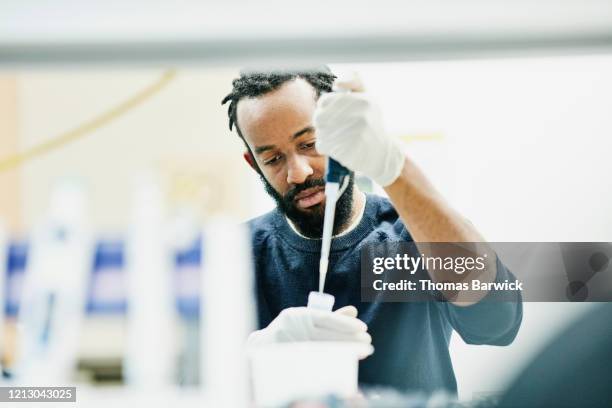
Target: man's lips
x,y
310,197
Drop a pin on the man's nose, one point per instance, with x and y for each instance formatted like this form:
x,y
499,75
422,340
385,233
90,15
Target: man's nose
x,y
299,169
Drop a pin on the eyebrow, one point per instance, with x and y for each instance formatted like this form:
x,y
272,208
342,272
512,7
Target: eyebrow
x,y
307,129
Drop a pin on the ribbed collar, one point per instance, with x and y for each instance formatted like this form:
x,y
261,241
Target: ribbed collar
x,y
365,226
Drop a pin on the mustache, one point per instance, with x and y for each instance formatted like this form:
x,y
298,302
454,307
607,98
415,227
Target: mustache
x,y
290,196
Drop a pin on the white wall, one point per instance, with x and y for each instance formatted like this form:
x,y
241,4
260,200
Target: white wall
x,y
525,155
181,133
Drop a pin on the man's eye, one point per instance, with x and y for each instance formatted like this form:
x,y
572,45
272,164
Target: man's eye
x,y
273,160
307,146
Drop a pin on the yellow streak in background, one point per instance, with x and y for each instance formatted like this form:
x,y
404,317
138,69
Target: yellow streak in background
x,y
90,126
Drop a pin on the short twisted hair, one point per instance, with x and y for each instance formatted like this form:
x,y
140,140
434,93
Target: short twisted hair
x,y
252,84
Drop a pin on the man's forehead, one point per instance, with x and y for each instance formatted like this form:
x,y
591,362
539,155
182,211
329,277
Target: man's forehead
x,y
293,99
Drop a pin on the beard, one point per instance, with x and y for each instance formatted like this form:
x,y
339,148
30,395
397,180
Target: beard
x,y
309,221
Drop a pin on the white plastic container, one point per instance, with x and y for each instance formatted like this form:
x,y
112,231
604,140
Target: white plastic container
x,y
286,372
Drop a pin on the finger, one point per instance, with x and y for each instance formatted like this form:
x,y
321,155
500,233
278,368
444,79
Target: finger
x,y
350,311
338,322
333,335
367,353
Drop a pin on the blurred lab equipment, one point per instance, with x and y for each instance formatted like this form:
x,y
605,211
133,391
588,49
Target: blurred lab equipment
x,y
187,263
106,290
53,299
3,278
16,262
148,364
228,311
102,339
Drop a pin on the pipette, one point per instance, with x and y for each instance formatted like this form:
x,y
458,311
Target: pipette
x,y
336,181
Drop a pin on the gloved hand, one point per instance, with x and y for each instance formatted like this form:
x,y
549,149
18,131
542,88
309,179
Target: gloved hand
x,y
307,324
349,129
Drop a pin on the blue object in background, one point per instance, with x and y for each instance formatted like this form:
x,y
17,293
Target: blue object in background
x,y
187,277
107,286
106,293
17,258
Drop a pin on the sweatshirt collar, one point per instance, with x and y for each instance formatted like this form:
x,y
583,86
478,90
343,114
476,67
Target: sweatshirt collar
x,y
351,237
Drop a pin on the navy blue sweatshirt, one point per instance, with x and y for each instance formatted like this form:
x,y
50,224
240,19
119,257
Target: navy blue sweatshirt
x,y
410,339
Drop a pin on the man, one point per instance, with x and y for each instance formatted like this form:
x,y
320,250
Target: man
x,y
290,122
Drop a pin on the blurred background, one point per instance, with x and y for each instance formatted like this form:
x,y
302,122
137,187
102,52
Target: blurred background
x,y
112,109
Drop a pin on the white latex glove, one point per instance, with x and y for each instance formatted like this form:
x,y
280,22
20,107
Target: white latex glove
x,y
349,129
307,324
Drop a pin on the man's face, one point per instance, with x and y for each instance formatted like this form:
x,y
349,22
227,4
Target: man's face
x,y
278,129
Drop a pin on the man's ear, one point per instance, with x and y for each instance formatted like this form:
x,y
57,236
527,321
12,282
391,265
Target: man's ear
x,y
250,159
